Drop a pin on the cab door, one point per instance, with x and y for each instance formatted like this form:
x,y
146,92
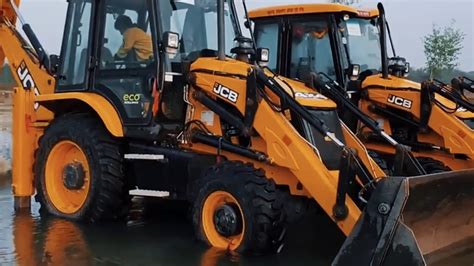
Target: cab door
x,y
127,77
74,74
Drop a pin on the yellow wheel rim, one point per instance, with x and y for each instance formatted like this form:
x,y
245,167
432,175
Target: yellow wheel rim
x,y
213,202
65,200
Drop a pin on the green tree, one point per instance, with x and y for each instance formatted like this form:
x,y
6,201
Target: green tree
x,y
442,49
345,2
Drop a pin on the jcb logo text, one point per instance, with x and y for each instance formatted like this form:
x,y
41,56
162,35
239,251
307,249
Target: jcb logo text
x,y
27,81
400,101
226,93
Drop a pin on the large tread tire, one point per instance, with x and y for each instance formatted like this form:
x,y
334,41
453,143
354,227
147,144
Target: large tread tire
x,y
432,166
105,198
256,195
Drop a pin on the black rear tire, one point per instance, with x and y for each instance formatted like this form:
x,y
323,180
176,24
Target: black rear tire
x,y
432,166
106,195
257,198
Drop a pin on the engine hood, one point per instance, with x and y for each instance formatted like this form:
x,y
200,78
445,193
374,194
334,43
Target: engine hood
x,y
233,68
396,83
304,95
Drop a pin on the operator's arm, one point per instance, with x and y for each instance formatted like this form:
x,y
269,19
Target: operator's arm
x,y
129,39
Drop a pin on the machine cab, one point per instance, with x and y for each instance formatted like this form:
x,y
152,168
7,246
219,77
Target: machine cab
x,y
321,38
110,48
115,48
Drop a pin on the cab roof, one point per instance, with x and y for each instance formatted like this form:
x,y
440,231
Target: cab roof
x,y
276,11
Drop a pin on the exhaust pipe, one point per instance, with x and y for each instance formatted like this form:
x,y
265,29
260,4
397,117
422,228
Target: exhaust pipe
x,y
221,30
383,40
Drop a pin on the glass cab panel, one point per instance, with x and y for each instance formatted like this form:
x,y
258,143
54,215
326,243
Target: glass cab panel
x,y
127,58
76,47
311,49
268,36
196,24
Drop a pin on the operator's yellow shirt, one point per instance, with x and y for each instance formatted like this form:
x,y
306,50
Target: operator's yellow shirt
x,y
135,38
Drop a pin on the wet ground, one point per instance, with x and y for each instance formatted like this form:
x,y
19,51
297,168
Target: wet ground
x,y
164,237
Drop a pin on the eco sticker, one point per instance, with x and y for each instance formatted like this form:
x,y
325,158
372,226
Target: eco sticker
x,y
132,98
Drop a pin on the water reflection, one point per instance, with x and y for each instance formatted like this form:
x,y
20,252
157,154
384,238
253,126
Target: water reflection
x,y
162,235
61,244
214,257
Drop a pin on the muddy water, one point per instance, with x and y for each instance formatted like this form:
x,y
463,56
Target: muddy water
x,y
162,237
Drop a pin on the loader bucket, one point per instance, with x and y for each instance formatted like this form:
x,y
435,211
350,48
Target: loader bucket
x,y
414,221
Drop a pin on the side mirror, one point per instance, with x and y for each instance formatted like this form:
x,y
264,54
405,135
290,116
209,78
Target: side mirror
x,y
171,43
353,72
399,67
263,56
407,70
53,64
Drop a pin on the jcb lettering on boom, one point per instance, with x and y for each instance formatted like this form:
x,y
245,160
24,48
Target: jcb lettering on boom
x,y
226,93
27,80
400,101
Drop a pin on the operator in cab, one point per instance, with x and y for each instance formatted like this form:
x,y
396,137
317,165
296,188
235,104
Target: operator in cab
x,y
137,44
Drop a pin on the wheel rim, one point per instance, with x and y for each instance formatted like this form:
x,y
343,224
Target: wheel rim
x,y
214,203
67,177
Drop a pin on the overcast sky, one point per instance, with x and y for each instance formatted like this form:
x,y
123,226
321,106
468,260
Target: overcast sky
x,y
409,20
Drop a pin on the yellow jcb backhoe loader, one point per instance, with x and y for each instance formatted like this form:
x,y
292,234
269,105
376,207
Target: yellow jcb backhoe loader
x,y
347,49
175,116
464,86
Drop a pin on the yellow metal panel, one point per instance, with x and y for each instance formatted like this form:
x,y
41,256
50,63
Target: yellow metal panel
x,y
320,183
304,95
7,11
104,109
24,145
212,64
2,60
309,9
391,82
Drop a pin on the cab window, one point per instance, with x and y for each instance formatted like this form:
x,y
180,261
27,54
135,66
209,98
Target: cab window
x,y
76,46
267,36
127,41
127,62
311,49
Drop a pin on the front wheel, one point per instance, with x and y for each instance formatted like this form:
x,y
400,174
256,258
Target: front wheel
x,y
236,208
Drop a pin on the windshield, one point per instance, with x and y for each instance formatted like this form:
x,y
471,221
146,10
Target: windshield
x,y
311,49
361,37
196,23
